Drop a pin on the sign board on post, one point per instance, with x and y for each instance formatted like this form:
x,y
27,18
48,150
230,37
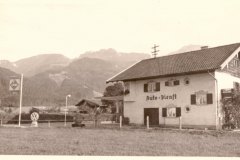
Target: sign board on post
x,y
34,117
14,84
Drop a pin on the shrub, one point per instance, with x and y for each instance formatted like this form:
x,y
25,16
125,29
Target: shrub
x,y
126,120
231,111
25,117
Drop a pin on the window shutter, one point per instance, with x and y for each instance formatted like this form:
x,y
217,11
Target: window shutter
x,y
176,82
145,87
209,98
166,83
193,99
164,112
158,86
178,112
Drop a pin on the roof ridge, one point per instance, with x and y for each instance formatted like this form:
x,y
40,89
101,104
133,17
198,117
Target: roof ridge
x,y
191,52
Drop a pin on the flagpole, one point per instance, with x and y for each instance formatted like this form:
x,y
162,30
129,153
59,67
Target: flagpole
x,y
20,104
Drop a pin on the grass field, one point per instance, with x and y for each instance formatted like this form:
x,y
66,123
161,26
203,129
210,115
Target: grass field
x,y
127,141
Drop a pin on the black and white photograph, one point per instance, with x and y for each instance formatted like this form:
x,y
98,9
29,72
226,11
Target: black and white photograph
x,y
120,78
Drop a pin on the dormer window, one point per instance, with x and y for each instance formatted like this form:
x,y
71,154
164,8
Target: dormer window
x,y
152,86
235,63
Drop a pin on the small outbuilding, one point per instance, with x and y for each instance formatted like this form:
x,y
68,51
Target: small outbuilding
x,y
89,105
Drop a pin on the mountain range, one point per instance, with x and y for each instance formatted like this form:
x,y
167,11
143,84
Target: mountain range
x,y
36,64
48,78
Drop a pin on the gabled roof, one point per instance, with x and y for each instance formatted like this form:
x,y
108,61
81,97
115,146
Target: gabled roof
x,y
91,102
184,63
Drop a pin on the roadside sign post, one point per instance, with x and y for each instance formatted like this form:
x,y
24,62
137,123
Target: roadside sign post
x,y
65,113
16,84
34,117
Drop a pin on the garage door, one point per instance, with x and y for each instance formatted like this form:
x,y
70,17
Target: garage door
x,y
153,114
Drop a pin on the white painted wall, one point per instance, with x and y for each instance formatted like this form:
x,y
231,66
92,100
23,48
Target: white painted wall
x,y
135,102
225,81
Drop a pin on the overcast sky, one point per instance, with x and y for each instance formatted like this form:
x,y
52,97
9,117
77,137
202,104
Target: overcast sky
x,y
72,27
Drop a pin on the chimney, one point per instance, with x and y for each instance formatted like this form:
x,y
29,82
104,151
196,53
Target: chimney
x,y
204,47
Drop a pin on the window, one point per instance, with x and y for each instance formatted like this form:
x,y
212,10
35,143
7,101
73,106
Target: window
x,y
235,63
171,112
83,112
172,83
186,81
187,109
201,98
236,86
152,87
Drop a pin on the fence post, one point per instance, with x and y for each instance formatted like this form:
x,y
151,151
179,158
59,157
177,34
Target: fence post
x,y
180,122
120,121
164,121
147,122
49,125
1,122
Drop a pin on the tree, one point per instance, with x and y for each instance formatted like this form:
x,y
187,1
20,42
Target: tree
x,y
116,89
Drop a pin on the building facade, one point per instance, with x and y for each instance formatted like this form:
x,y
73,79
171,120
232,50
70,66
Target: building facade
x,y
183,88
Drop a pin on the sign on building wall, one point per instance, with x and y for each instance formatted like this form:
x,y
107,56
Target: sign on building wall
x,y
161,97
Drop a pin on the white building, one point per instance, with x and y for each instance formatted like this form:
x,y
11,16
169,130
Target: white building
x,y
186,85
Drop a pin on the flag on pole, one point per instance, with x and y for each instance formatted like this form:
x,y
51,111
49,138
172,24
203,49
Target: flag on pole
x,y
14,84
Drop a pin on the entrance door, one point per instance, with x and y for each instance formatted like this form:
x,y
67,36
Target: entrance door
x,y
153,114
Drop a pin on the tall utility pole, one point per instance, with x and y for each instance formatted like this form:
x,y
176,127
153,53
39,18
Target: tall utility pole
x,y
155,51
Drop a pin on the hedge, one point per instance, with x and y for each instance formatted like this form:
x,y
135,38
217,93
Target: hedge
x,y
25,118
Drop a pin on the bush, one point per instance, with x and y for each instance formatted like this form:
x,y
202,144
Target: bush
x,y
231,112
126,120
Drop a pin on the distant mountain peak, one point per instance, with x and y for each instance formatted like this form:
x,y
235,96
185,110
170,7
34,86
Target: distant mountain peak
x,y
187,48
36,64
112,55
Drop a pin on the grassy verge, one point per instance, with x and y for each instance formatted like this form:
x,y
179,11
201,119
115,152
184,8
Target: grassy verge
x,y
125,142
